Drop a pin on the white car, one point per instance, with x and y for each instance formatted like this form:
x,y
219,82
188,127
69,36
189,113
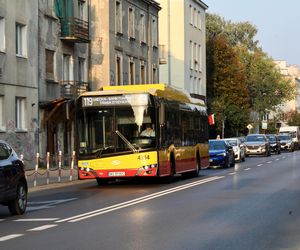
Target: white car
x,y
238,148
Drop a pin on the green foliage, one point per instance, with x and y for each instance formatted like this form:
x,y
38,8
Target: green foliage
x,y
240,77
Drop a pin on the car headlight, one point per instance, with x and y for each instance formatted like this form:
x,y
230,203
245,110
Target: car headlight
x,y
263,146
221,154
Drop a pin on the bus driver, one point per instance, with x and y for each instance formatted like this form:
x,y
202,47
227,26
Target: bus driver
x,y
148,132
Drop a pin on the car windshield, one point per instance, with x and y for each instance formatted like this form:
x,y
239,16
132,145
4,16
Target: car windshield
x,y
271,138
216,145
232,142
284,137
106,129
255,138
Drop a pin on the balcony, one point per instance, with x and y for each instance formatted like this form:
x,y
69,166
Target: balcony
x,y
72,89
74,30
162,54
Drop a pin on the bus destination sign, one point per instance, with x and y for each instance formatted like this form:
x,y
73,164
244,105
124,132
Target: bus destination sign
x,y
97,101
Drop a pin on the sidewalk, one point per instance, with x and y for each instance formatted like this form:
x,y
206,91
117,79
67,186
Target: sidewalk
x,y
42,178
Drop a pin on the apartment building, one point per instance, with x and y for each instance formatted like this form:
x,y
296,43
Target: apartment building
x,y
124,42
293,73
63,52
182,45
18,75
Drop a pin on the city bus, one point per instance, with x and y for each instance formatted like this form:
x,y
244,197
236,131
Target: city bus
x,y
111,144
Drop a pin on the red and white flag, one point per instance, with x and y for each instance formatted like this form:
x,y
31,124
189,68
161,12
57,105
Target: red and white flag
x,y
211,119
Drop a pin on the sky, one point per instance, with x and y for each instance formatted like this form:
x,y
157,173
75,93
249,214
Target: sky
x,y
277,21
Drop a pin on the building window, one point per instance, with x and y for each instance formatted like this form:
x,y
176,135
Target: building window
x,y
131,28
191,55
21,43
67,69
49,7
195,17
2,34
199,87
143,72
2,113
82,10
154,73
191,14
191,84
154,32
131,71
195,66
50,65
118,17
199,58
20,113
199,20
143,28
119,70
82,70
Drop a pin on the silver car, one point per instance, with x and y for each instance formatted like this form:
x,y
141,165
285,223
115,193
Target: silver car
x,y
238,148
257,144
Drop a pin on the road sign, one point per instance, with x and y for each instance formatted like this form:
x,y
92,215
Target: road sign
x,y
249,126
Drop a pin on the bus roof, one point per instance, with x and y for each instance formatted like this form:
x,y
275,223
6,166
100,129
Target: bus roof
x,y
159,89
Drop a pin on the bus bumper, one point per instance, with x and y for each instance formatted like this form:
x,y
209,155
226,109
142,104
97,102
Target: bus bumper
x,y
146,171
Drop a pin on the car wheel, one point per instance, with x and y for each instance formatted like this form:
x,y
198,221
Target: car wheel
x,y
244,157
232,163
19,204
226,163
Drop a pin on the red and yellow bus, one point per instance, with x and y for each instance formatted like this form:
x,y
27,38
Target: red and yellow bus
x,y
111,141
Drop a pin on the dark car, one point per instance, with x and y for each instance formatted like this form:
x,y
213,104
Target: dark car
x,y
257,144
13,185
286,142
221,153
274,143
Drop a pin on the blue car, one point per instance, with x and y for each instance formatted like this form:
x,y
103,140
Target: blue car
x,y
221,154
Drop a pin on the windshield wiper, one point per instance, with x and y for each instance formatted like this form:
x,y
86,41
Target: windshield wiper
x,y
126,141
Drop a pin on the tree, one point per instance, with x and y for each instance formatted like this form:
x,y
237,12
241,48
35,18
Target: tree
x,y
267,87
238,71
241,33
228,93
294,119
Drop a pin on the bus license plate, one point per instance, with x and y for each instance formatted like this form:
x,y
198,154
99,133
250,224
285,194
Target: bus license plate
x,y
116,173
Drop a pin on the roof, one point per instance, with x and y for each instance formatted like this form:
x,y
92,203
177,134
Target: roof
x,y
159,89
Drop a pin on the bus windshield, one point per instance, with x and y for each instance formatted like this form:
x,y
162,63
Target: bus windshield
x,y
106,129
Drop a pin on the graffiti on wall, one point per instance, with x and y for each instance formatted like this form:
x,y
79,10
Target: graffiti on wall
x,y
24,143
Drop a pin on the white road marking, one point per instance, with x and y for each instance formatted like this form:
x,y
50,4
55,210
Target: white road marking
x,y
247,169
283,157
41,228
2,220
259,165
37,205
269,162
9,237
36,219
136,201
277,159
233,173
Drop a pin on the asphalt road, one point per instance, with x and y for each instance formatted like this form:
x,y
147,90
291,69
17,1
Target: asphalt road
x,y
255,205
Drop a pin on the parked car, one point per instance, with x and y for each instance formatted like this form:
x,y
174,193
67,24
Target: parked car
x,y
13,185
286,142
238,148
221,153
274,143
257,144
